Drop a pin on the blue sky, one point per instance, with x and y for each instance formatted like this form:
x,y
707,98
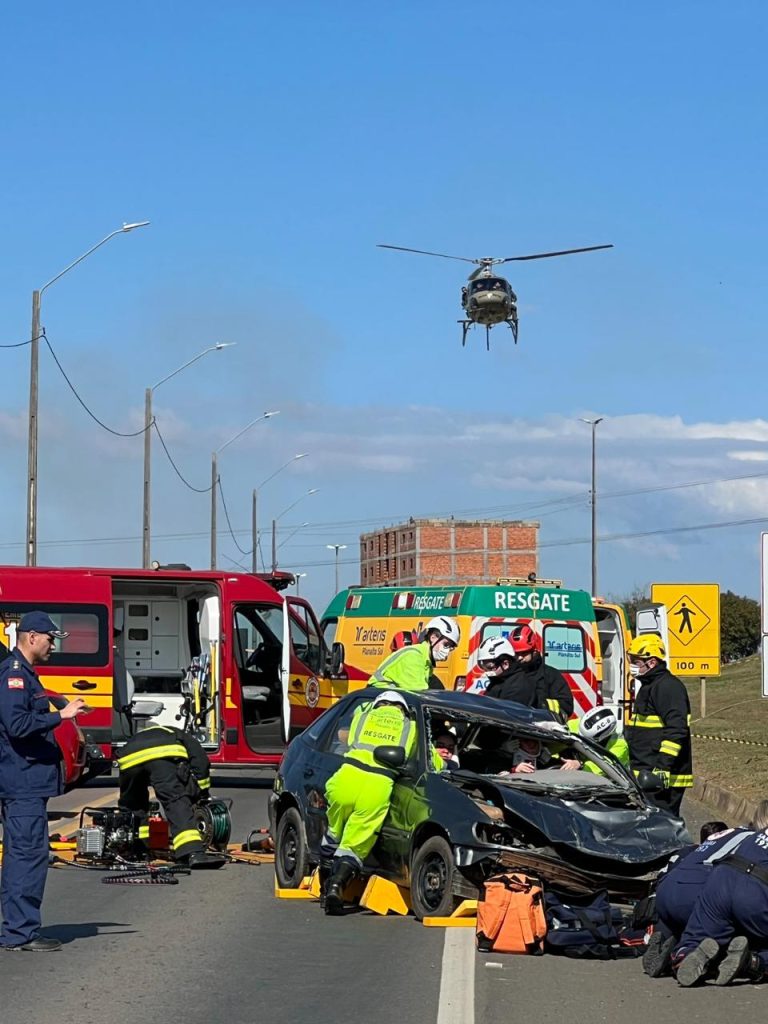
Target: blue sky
x,y
272,146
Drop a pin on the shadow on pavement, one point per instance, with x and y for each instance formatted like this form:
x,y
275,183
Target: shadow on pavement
x,y
86,930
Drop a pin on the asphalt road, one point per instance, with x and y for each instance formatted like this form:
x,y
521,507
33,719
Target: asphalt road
x,y
219,949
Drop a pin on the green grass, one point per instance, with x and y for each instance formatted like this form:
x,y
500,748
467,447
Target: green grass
x,y
735,710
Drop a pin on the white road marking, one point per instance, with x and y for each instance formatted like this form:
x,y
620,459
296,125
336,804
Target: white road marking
x,y
457,981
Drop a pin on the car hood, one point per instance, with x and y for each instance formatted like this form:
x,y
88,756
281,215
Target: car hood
x,y
616,830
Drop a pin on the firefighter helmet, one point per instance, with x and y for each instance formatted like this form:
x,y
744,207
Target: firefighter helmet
x,y
648,645
447,628
493,648
405,638
598,724
391,697
523,640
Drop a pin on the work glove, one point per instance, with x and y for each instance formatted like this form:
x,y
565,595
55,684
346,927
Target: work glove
x,y
663,777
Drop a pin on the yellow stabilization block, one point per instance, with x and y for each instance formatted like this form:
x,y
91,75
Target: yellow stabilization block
x,y
383,897
309,889
464,916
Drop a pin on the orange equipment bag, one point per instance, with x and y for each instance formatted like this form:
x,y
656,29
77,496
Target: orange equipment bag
x,y
510,916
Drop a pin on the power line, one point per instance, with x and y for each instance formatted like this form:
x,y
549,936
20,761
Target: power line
x,y
229,522
177,471
73,389
21,344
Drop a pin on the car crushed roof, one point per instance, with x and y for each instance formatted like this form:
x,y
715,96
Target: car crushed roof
x,y
476,707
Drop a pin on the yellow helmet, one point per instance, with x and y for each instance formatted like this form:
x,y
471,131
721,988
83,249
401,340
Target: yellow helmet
x,y
648,645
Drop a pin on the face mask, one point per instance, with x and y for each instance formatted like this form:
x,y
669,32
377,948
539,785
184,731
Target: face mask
x,y
441,651
638,670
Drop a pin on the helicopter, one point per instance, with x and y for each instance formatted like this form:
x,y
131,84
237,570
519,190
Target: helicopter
x,y
488,298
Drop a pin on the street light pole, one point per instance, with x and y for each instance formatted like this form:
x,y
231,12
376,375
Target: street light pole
x,y
34,364
146,516
593,499
254,509
312,490
299,577
337,548
215,475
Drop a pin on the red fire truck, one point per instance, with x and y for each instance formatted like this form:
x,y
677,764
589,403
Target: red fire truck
x,y
225,655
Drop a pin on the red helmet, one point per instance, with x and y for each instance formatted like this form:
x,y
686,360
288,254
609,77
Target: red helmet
x,y
406,638
523,640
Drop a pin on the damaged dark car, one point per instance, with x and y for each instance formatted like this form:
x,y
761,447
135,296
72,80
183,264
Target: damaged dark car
x,y
575,817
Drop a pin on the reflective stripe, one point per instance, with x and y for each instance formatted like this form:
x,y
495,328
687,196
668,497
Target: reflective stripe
x,y
553,705
204,783
143,831
670,747
728,847
190,835
378,675
152,754
647,722
680,781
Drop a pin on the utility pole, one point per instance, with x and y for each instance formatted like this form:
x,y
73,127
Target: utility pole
x,y
34,363
593,499
274,545
214,484
255,534
146,518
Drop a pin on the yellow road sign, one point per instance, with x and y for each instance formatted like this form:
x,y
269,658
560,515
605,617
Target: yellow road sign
x,y
693,622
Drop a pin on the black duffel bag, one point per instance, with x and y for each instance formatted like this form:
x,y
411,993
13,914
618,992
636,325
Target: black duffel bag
x,y
583,927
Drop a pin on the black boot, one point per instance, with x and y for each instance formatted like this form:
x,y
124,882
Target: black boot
x,y
343,873
204,861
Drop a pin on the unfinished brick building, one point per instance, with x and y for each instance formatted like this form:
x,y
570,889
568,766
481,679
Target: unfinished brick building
x,y
436,552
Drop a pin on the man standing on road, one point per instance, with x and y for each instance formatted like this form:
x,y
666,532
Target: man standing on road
x,y
30,773
659,729
411,667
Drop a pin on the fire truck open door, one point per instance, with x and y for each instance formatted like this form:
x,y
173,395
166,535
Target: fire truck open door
x,y
206,696
285,672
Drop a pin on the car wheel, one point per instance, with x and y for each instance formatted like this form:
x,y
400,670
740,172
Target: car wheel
x,y
432,872
291,860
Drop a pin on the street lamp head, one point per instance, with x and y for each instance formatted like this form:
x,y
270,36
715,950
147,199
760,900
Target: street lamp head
x,y
313,490
136,224
302,455
224,344
275,412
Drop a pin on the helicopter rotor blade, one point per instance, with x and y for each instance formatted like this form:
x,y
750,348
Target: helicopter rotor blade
x,y
425,252
545,255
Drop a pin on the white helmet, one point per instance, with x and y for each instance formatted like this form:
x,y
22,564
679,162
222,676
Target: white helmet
x,y
391,697
598,724
495,647
447,628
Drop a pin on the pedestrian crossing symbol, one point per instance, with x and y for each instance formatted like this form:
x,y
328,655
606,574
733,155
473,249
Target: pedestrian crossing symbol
x,y
686,620
693,626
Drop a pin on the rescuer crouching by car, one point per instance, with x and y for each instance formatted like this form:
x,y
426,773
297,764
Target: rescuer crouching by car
x,y
178,769
359,793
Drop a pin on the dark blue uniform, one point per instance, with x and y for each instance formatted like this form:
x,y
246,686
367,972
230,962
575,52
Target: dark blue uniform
x,y
733,902
681,886
30,773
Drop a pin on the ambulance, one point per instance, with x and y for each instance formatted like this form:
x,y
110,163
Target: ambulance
x,y
224,655
585,639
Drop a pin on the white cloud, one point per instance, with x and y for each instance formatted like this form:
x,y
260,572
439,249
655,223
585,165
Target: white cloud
x,y
749,456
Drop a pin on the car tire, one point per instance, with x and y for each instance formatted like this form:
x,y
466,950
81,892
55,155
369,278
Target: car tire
x,y
432,871
291,857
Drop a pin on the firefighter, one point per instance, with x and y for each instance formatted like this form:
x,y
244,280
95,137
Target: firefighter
x,y
553,693
733,904
678,889
410,667
600,725
508,678
358,794
178,769
29,775
659,732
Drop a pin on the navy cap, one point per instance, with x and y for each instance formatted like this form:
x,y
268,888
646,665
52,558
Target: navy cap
x,y
40,622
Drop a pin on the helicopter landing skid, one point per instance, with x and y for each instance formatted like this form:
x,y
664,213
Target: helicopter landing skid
x,y
466,324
